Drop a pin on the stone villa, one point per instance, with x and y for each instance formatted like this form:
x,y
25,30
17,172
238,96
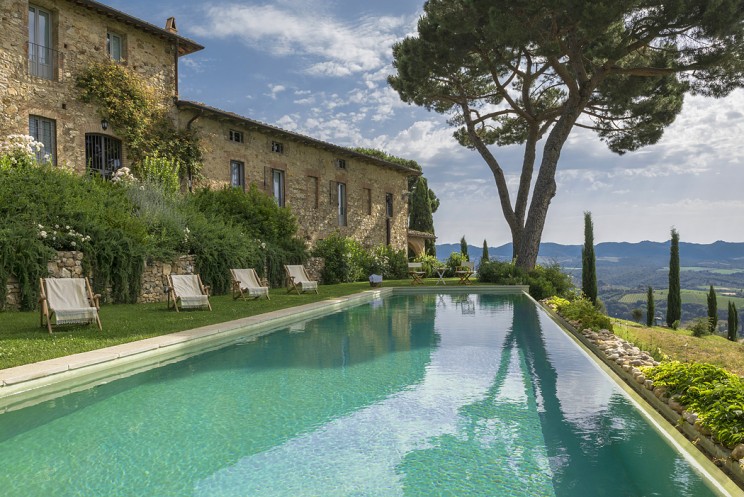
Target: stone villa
x,y
44,44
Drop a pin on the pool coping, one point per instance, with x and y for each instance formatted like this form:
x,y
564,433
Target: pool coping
x,y
682,435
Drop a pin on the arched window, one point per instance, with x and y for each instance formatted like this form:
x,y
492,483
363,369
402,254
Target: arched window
x,y
102,154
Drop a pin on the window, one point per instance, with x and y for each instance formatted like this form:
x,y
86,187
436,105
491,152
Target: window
x,y
341,163
235,136
389,204
277,147
237,174
367,199
102,154
277,186
42,58
312,191
341,204
44,131
115,46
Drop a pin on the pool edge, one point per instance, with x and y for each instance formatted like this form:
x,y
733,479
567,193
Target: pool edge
x,y
32,383
660,416
29,384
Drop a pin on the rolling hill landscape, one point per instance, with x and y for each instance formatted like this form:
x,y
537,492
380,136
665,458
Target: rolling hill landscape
x,y
626,270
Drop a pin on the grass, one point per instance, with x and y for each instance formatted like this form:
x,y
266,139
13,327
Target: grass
x,y
680,345
23,341
699,297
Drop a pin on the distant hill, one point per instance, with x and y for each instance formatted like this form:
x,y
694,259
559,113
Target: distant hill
x,y
655,254
625,270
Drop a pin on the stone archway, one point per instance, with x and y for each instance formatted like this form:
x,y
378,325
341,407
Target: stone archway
x,y
417,241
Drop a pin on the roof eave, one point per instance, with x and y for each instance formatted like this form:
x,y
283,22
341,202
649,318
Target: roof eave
x,y
251,123
185,45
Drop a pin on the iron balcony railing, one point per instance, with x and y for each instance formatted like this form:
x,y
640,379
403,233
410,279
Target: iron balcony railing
x,y
43,62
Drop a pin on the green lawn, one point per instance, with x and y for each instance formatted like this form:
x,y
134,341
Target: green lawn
x,y
688,297
680,345
23,341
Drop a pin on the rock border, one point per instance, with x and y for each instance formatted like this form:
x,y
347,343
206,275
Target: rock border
x,y
624,359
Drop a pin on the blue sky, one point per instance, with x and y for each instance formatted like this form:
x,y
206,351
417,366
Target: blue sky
x,y
319,67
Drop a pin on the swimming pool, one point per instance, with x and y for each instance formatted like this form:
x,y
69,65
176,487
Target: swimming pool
x,y
411,395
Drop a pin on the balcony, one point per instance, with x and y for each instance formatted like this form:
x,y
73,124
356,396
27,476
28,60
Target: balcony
x,y
43,62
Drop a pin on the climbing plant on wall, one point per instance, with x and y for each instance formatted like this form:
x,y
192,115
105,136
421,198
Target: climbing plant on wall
x,y
140,116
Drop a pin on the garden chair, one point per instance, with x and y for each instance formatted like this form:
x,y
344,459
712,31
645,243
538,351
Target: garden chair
x,y
68,301
189,290
464,272
246,282
416,271
298,280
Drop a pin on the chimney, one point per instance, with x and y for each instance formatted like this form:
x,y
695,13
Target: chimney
x,y
170,25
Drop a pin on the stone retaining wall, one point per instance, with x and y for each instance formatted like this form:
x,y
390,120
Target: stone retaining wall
x,y
314,267
69,264
155,277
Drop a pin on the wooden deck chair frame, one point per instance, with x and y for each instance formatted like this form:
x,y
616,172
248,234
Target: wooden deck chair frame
x,y
416,271
45,313
237,289
172,292
292,285
464,272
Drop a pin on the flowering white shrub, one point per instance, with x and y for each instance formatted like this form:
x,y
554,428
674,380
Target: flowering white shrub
x,y
62,237
20,151
124,176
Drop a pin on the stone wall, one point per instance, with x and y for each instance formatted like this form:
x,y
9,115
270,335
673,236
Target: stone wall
x,y
70,265
314,268
79,38
67,264
155,277
310,174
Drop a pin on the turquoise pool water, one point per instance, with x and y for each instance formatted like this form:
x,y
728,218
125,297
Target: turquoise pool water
x,y
428,395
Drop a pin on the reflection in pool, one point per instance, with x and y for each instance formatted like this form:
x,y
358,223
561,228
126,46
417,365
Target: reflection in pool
x,y
412,395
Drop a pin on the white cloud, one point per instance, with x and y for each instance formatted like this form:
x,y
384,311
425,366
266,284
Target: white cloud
x,y
275,90
334,47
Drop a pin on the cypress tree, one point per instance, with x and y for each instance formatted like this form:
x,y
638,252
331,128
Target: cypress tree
x,y
484,257
464,248
588,261
712,309
650,308
674,299
733,322
420,213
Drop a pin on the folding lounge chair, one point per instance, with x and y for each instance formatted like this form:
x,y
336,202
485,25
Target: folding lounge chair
x,y
188,290
246,282
464,272
67,300
416,271
298,280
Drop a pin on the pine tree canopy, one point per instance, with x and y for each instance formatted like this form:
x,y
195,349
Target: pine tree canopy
x,y
528,71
